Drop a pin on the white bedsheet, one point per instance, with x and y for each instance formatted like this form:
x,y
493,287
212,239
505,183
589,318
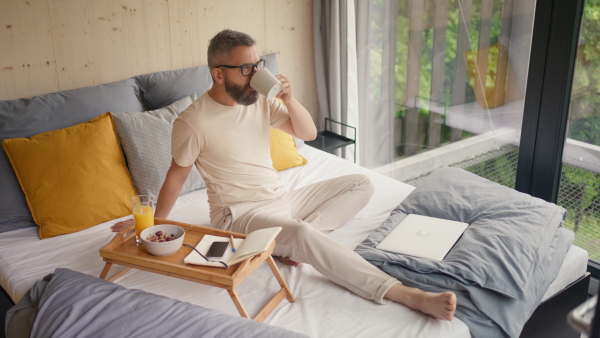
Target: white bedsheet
x,y
322,308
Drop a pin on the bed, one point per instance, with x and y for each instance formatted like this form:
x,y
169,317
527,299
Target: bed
x,y
322,308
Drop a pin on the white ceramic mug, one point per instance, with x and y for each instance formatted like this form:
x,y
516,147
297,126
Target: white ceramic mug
x,y
265,83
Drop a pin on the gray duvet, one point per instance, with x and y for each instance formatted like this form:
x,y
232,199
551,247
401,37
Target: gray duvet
x,y
502,265
72,304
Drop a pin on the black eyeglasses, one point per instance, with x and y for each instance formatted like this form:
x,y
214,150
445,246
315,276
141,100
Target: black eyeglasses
x,y
247,68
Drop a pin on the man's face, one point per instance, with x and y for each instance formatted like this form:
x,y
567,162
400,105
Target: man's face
x,y
237,86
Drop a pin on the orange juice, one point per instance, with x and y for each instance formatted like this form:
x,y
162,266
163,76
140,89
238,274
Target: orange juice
x,y
144,218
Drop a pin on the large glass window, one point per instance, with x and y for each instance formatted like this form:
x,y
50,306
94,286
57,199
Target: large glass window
x,y
461,75
580,179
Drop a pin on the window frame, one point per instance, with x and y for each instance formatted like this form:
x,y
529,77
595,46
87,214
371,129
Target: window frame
x,y
550,78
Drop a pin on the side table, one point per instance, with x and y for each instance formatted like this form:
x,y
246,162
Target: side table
x,y
328,141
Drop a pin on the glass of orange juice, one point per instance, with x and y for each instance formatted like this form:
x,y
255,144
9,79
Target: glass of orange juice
x,y
143,213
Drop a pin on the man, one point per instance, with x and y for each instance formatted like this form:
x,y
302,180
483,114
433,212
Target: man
x,y
225,133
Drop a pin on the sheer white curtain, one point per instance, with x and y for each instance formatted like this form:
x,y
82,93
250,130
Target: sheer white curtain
x,y
355,58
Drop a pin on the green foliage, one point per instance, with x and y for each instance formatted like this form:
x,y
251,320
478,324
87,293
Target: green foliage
x,y
586,130
584,116
584,121
580,194
450,52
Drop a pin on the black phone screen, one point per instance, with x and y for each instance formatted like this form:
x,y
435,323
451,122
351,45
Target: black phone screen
x,y
217,249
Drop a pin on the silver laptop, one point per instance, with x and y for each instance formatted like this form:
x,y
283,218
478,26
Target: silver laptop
x,y
423,236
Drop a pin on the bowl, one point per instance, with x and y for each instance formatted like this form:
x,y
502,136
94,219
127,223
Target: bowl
x,y
163,248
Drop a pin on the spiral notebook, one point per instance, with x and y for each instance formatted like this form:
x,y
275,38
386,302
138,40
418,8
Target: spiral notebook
x,y
423,236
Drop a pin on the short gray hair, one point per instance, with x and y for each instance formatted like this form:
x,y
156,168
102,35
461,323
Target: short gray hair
x,y
223,43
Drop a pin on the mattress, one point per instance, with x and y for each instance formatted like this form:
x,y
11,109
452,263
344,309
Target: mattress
x,y
322,308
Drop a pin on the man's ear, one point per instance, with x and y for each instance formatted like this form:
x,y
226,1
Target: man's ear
x,y
217,75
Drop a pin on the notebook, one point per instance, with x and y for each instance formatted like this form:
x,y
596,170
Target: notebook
x,y
423,236
255,242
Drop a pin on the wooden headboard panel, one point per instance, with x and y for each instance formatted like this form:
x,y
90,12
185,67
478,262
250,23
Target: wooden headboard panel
x,y
52,45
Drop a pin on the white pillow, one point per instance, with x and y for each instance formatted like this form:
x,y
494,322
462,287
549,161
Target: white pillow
x,y
146,141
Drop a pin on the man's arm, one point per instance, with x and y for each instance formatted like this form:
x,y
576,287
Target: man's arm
x,y
167,196
170,190
300,124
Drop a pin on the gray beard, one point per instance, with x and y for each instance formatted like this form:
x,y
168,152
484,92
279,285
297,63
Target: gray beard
x,y
237,94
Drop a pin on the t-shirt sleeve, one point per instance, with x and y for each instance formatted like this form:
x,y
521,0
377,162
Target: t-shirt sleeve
x,y
185,143
278,111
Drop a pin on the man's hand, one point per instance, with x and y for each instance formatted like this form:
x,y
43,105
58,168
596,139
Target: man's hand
x,y
122,225
286,89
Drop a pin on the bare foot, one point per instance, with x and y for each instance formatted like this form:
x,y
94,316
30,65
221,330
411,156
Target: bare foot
x,y
288,261
438,305
122,225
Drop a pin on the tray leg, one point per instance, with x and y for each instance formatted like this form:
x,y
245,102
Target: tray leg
x,y
238,303
119,274
280,279
271,305
104,272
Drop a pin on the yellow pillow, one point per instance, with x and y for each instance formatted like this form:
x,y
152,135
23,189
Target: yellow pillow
x,y
284,152
73,178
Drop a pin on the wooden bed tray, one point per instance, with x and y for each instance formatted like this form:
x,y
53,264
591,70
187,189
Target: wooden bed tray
x,y
123,250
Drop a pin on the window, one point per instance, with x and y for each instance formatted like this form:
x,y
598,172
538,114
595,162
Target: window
x,y
461,74
466,97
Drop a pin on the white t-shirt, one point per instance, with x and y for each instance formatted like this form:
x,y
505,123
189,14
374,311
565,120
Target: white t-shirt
x,y
230,147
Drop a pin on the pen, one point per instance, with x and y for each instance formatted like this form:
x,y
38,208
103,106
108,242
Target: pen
x,y
232,243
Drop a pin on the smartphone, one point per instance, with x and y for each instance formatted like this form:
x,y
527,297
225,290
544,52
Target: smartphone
x,y
217,249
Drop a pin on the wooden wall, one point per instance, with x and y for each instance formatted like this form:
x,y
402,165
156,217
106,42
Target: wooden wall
x,y
52,45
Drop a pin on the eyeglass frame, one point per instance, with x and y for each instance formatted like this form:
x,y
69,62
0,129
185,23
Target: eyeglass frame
x,y
251,65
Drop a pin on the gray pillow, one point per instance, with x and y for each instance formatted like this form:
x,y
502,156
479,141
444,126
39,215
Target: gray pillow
x,y
146,141
508,234
163,88
31,116
271,63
